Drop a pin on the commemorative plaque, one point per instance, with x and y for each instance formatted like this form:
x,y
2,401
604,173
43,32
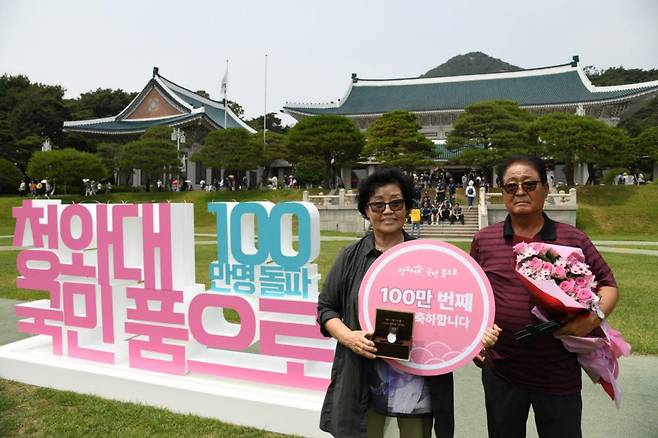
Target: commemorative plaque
x,y
448,294
393,334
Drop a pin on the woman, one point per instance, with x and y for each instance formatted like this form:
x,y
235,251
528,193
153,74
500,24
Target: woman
x,y
356,403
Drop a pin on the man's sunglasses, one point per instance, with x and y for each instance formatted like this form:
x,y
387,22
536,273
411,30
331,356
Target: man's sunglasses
x,y
394,205
528,186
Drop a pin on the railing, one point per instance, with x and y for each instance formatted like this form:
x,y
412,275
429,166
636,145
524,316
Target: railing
x,y
344,198
560,199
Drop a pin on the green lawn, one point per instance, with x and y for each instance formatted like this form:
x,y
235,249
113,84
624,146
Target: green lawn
x,y
634,316
27,410
30,410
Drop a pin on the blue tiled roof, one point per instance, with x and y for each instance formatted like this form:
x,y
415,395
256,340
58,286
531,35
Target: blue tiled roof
x,y
557,86
195,106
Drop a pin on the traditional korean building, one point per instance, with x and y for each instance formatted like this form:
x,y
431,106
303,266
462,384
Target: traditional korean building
x,y
165,103
438,101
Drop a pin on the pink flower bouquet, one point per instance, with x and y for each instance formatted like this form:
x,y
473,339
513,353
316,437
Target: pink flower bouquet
x,y
557,277
563,285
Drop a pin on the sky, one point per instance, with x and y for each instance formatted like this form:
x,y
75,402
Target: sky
x,y
312,47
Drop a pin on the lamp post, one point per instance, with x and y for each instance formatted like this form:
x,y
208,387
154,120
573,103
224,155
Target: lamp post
x,y
178,135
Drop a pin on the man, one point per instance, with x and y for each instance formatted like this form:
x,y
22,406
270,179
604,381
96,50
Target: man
x,y
452,189
456,214
539,373
441,191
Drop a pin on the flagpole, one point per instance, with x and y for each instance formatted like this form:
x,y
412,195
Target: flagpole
x,y
265,104
225,94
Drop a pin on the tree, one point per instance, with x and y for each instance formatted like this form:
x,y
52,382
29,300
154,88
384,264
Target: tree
x,y
162,133
309,171
334,139
39,111
10,89
273,123
274,149
65,167
571,139
21,150
236,108
646,117
109,154
154,157
492,130
102,102
232,149
646,147
79,141
394,139
10,177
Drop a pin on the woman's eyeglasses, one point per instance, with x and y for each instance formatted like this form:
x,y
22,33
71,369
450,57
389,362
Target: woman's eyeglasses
x,y
394,205
528,186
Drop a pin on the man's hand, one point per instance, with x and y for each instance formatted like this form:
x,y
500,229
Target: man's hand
x,y
581,325
489,339
359,342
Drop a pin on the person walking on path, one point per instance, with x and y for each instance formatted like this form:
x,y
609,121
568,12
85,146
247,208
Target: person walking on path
x,y
470,194
415,221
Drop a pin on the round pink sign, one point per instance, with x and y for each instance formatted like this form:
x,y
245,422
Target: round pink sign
x,y
447,291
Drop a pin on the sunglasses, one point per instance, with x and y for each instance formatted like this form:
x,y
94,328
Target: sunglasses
x,y
394,205
528,186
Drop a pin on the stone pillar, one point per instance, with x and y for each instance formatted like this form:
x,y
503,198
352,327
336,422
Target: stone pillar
x,y
341,197
580,174
346,176
191,171
137,178
305,196
371,169
209,175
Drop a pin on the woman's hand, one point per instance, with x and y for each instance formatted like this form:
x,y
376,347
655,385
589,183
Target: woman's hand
x,y
359,342
489,339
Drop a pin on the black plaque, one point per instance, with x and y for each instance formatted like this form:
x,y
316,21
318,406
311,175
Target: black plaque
x,y
392,335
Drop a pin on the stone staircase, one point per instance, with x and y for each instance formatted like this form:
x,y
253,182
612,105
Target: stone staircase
x,y
443,230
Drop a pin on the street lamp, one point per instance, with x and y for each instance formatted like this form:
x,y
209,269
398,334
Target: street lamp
x,y
178,135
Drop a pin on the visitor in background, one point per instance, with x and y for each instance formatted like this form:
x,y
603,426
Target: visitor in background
x,y
456,214
452,189
415,221
470,194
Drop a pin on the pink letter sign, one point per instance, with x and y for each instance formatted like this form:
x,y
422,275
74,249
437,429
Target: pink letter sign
x,y
447,291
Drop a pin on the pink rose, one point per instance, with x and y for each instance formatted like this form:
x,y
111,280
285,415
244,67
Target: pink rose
x,y
567,285
520,247
547,266
559,272
581,282
540,248
536,264
583,294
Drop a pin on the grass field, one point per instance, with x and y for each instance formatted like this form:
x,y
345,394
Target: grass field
x,y
27,410
620,213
